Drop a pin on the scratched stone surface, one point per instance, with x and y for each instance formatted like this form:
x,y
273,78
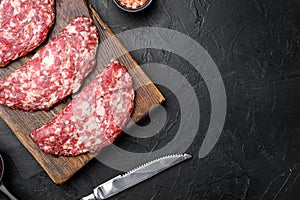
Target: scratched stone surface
x,y
256,47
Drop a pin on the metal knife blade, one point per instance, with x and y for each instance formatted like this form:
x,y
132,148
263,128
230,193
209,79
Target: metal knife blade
x,y
135,176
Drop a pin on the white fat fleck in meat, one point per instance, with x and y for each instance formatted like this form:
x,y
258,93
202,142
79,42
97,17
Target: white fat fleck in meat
x,y
52,138
46,148
88,143
83,108
58,130
45,73
98,141
30,15
48,60
56,83
52,99
37,29
72,29
16,5
12,24
84,34
100,111
31,96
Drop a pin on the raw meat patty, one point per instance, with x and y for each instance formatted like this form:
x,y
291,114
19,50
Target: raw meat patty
x,y
24,25
93,119
55,71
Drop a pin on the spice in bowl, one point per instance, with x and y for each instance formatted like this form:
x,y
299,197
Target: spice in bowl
x,y
132,5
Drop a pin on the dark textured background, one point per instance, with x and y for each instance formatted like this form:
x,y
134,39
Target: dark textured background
x,y
256,46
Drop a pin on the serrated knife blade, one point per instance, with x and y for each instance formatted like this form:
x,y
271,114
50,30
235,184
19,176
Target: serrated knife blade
x,y
135,176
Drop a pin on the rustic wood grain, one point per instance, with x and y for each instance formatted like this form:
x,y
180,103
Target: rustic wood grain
x,y
22,123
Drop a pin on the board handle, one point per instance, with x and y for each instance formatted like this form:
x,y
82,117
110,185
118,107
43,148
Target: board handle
x,y
95,16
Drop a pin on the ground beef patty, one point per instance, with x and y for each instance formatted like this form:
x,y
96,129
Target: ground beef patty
x,y
55,71
24,25
93,119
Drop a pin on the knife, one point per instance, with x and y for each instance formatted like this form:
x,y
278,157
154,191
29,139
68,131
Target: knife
x,y
135,176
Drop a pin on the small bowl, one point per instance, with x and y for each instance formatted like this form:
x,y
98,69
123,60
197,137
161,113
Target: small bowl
x,y
140,8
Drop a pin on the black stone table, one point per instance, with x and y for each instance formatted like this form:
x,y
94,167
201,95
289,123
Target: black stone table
x,y
255,45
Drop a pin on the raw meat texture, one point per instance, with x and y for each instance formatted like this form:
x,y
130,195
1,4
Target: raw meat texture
x,y
24,25
93,119
55,71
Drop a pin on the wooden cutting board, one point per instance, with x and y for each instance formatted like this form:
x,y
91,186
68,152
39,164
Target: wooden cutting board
x,y
22,123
